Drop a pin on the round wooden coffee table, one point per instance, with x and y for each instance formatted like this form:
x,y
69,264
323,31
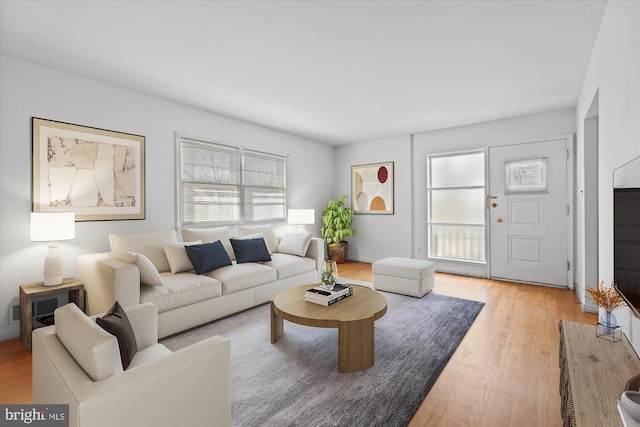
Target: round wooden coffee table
x,y
353,316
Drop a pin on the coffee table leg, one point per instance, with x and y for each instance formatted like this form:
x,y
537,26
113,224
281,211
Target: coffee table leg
x,y
355,345
277,325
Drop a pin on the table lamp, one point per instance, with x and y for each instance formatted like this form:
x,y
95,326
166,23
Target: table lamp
x,y
301,217
52,227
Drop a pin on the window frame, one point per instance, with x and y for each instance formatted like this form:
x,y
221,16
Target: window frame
x,y
431,223
239,158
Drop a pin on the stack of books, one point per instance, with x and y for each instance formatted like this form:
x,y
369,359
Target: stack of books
x,y
319,295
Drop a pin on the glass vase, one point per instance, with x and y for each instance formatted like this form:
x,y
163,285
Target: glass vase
x,y
329,275
608,322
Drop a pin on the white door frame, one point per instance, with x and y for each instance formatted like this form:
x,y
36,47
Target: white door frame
x,y
591,194
570,163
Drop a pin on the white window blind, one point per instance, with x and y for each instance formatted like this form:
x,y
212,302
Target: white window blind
x,y
224,184
456,221
263,177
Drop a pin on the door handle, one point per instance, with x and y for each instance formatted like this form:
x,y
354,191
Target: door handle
x,y
499,219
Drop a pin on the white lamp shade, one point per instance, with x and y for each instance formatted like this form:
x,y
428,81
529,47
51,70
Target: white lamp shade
x,y
52,226
301,216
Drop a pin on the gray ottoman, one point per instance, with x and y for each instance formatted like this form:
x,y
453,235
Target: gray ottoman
x,y
413,277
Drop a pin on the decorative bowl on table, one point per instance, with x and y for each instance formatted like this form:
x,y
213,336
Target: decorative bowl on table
x,y
630,402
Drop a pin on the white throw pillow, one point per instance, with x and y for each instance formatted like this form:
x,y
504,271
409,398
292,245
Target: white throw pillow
x,y
177,255
267,232
147,244
249,236
210,235
125,256
149,274
93,348
295,244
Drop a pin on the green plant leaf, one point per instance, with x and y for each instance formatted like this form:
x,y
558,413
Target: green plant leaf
x,y
337,219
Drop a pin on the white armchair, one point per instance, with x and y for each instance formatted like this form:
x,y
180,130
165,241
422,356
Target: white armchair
x,y
189,387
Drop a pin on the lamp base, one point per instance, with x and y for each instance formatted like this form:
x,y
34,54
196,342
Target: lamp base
x,y
53,274
53,281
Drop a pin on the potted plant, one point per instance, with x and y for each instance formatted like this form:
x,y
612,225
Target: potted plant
x,y
337,219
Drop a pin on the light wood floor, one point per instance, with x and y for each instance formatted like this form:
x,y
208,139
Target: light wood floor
x,y
504,373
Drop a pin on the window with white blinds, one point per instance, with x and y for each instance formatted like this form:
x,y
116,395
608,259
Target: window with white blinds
x,y
263,178
456,221
225,184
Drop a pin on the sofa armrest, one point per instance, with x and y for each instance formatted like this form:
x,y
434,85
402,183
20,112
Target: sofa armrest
x,y
201,373
144,322
107,280
316,252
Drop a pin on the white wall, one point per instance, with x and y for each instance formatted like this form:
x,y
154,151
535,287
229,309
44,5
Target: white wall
x,y
613,73
483,135
405,233
32,91
379,236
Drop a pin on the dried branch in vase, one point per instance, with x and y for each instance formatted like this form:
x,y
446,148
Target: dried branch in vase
x,y
606,297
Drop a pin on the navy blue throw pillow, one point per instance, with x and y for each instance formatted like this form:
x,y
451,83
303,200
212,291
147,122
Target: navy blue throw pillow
x,y
250,250
208,256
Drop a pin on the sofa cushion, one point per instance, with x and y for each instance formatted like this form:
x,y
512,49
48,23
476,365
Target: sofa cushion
x,y
149,274
250,250
181,289
290,265
177,256
208,256
238,277
267,232
93,348
147,244
295,244
209,235
116,322
149,354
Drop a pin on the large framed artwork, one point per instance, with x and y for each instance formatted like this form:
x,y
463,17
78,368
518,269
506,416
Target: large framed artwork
x,y
372,188
96,173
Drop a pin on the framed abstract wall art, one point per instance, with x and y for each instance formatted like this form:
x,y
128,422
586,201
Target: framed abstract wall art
x,y
372,188
96,173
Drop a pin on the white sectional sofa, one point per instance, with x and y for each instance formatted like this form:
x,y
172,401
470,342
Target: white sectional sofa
x,y
154,267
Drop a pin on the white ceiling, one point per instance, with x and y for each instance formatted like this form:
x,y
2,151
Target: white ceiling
x,y
334,71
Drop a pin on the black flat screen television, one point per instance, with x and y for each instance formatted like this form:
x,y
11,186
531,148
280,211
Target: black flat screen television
x,y
626,233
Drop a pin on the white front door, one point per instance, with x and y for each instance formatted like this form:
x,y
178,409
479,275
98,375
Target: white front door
x,y
528,212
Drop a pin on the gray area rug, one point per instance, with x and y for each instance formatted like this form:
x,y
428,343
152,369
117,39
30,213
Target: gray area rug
x,y
296,382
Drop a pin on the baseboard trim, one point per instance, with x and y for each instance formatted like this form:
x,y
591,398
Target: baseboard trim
x,y
10,334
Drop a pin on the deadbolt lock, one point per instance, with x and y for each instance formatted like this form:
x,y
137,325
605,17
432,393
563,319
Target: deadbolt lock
x,y
494,205
499,219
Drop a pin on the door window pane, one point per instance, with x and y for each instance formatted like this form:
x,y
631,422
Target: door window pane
x,y
526,175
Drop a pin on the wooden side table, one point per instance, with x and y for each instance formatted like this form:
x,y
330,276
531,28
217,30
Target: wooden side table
x,y
593,375
74,287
